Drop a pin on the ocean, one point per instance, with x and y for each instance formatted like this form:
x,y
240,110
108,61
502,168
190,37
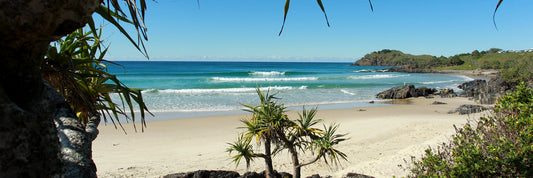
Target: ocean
x,y
194,89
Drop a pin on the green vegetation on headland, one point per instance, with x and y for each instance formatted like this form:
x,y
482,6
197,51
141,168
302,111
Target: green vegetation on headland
x,y
513,65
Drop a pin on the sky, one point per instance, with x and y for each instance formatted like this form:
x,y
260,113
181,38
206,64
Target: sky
x,y
247,30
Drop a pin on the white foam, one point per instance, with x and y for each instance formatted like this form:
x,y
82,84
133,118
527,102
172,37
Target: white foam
x,y
271,73
216,90
347,92
262,79
436,82
376,76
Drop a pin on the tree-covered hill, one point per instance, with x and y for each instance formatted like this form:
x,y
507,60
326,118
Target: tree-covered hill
x,y
388,57
514,65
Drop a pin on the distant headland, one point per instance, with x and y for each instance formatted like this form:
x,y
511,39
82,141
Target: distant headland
x,y
511,64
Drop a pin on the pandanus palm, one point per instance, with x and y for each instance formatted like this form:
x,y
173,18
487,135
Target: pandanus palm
x,y
266,119
76,67
270,125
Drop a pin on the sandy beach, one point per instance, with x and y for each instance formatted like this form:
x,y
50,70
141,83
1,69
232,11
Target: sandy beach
x,y
381,138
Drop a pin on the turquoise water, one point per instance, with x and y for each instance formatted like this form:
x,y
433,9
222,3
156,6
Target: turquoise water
x,y
199,87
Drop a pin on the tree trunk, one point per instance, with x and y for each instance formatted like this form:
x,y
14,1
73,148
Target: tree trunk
x,y
29,145
295,162
76,143
269,172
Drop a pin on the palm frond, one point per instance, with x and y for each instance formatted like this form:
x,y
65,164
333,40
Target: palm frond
x,y
76,67
242,149
325,146
494,14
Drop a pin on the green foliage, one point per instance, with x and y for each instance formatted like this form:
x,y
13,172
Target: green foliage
x,y
113,13
518,70
75,65
243,149
388,57
270,125
497,146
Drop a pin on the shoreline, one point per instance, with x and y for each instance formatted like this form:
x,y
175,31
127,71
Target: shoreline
x,y
476,74
381,138
170,115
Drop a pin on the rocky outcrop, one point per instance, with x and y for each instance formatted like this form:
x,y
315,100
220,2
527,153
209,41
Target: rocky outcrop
x,y
469,109
233,174
204,174
446,93
356,175
225,174
406,91
487,92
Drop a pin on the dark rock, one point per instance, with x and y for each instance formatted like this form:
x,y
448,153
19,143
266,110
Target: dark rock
x,y
446,93
283,175
180,175
469,109
423,91
399,92
356,175
314,176
317,176
371,102
406,91
253,175
204,174
438,102
487,92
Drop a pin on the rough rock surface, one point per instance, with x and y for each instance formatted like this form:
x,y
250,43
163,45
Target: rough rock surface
x,y
233,174
355,175
446,93
204,174
469,109
406,91
487,92
438,102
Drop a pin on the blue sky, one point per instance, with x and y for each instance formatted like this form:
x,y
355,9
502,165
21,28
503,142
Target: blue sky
x,y
247,30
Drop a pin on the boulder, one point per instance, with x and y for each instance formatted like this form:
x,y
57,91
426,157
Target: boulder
x,y
399,92
204,174
405,91
423,91
446,93
469,109
438,103
356,175
487,92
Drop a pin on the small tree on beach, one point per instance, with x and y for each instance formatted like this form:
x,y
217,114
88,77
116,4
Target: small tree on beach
x,y
271,126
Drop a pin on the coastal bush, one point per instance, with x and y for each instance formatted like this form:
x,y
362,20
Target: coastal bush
x,y
520,70
270,125
500,145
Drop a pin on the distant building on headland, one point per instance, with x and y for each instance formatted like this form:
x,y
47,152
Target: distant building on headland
x,y
516,51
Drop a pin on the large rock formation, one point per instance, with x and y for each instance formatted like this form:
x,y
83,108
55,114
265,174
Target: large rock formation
x,y
233,174
469,109
487,92
406,91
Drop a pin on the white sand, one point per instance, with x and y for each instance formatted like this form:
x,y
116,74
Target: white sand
x,y
381,138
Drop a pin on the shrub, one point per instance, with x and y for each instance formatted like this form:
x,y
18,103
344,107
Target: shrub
x,y
500,145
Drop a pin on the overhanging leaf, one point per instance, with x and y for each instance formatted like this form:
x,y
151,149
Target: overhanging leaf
x,y
494,14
